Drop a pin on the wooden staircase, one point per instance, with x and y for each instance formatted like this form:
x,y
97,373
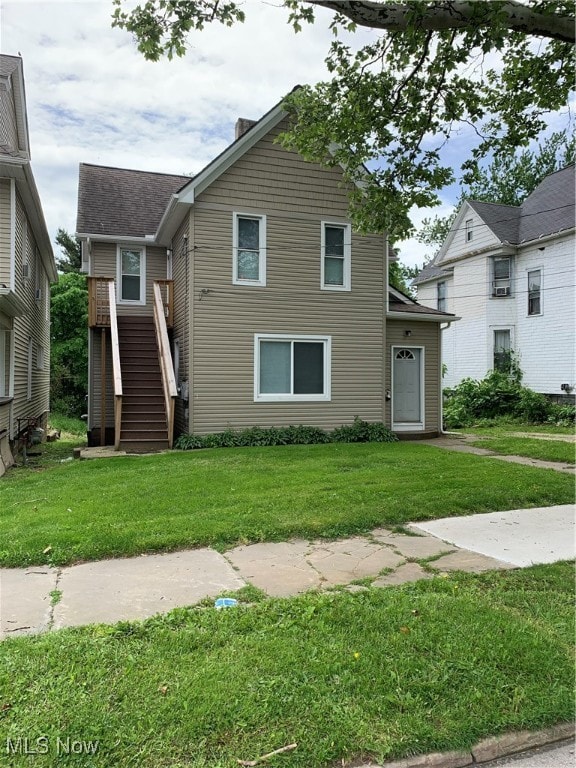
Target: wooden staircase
x,y
144,424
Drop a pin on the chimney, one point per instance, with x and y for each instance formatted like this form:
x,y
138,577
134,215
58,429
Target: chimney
x,y
243,125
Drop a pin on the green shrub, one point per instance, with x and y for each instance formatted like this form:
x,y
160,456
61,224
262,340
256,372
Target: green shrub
x,y
358,432
561,415
496,395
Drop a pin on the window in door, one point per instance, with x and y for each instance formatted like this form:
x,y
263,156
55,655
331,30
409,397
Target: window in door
x,y
132,275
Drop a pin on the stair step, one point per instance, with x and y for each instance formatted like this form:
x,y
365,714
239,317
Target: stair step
x,y
144,434
143,446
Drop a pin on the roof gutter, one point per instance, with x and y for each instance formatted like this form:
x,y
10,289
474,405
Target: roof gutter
x,y
146,240
418,317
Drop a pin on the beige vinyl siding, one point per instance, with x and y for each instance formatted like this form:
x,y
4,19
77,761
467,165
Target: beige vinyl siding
x,y
5,231
427,335
295,197
182,267
33,325
104,264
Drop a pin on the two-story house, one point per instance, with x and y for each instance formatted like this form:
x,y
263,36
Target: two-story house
x,y
509,273
243,297
26,269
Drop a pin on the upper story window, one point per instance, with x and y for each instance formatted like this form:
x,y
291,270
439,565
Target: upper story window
x,y
535,292
501,276
6,378
441,296
469,230
336,255
132,275
249,250
291,367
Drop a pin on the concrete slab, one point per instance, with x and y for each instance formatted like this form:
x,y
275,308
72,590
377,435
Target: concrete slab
x,y
521,537
139,587
402,575
278,569
415,547
341,562
471,562
25,602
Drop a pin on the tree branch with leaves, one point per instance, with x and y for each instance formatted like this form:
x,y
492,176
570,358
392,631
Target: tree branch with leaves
x,y
393,103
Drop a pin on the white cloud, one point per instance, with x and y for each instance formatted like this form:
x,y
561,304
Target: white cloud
x,y
92,97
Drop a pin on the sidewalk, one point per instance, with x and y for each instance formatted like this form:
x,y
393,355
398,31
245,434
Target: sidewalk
x,y
42,598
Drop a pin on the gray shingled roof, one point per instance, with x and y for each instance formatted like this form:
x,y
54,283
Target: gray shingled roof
x,y
117,201
550,208
503,220
429,272
416,309
546,211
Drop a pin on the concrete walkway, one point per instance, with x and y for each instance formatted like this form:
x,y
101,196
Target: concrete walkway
x,y
38,599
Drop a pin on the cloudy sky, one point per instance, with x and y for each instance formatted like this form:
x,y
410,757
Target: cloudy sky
x,y
93,98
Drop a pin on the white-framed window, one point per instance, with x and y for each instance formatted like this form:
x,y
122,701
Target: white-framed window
x,y
469,230
6,378
40,358
535,292
501,276
502,350
131,268
249,249
441,296
26,265
290,367
336,250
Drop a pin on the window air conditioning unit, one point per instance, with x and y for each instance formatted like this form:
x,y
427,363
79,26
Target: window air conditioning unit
x,y
502,292
38,294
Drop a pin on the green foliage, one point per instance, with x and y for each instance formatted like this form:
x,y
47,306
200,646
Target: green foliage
x,y
358,432
508,180
562,415
72,250
498,394
69,344
394,101
400,275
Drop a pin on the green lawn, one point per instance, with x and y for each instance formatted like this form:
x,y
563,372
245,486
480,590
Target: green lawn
x,y
534,448
87,510
380,674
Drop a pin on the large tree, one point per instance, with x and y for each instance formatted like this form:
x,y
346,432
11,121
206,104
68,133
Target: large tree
x,y
392,103
69,331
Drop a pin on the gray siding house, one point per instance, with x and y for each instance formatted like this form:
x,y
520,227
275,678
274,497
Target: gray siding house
x,y
26,269
262,305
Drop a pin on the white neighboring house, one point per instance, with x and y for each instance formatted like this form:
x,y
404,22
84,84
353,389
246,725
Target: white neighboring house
x,y
509,273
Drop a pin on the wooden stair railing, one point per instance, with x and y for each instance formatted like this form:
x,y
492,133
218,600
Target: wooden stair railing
x,y
116,367
166,367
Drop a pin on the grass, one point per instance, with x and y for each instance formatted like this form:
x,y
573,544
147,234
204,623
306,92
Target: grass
x,y
380,674
501,427
128,505
544,450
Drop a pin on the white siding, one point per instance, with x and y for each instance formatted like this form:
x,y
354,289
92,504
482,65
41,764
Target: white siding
x,y
546,342
458,245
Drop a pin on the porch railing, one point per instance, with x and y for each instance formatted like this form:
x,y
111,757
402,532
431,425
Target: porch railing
x,y
167,298
99,301
166,367
116,367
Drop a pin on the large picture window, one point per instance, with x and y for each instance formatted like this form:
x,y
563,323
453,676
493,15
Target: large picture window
x,y
291,367
249,246
336,250
132,275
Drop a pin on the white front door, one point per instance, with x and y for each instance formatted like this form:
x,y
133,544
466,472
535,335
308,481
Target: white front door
x,y
407,388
